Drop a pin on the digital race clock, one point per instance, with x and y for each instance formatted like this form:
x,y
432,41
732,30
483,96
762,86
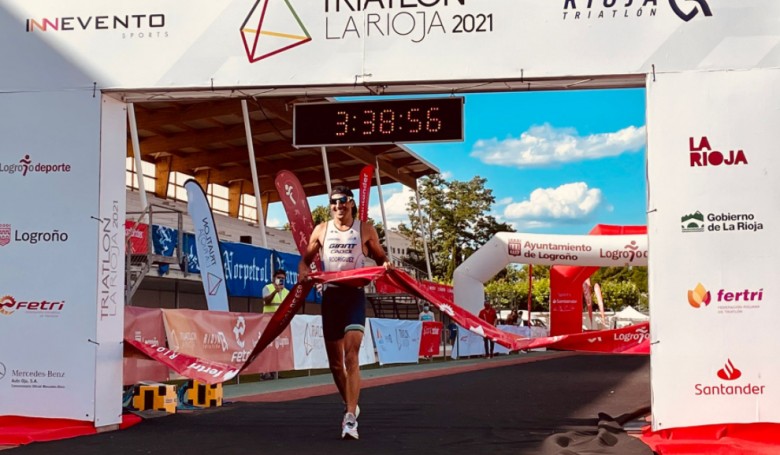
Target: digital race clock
x,y
378,122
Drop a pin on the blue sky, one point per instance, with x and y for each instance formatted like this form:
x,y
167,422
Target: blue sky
x,y
557,162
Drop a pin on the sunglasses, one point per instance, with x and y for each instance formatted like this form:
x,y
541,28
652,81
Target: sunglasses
x,y
342,199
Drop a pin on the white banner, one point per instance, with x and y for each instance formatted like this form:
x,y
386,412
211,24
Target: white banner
x,y
517,330
309,345
467,344
200,43
212,272
542,249
111,263
713,272
49,251
397,341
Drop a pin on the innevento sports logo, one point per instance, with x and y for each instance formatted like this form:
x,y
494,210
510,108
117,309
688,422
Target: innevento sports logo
x,y
272,27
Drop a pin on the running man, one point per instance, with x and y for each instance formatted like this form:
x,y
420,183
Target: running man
x,y
344,243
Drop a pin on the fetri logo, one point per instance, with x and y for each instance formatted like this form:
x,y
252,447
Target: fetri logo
x,y
9,305
272,27
699,296
729,372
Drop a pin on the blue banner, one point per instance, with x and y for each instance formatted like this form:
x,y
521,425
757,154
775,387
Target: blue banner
x,y
247,267
289,262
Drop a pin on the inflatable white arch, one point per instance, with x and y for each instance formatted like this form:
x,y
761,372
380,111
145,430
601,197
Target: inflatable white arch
x,y
542,249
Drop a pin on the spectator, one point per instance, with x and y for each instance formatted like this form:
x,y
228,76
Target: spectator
x,y
426,314
488,314
274,294
512,318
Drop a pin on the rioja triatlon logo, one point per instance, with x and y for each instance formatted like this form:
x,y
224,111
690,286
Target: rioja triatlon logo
x,y
272,27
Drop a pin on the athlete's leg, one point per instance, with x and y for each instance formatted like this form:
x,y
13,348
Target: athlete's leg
x,y
335,351
352,340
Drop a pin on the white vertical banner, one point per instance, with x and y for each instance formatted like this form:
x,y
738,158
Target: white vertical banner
x,y
111,263
713,165
212,272
467,344
49,249
308,343
396,341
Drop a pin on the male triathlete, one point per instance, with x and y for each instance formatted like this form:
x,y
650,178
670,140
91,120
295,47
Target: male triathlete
x,y
345,242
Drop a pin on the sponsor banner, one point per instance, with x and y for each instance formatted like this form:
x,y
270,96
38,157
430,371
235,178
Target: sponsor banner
x,y
396,341
633,339
296,206
468,344
364,186
144,325
308,343
227,338
521,331
195,366
247,269
281,43
546,249
431,338
443,291
111,262
205,371
212,271
137,237
51,233
565,303
721,225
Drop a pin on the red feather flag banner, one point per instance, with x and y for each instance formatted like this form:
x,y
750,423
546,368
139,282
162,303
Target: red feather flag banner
x,y
365,190
628,340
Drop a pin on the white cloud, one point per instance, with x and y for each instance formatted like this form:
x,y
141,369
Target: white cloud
x,y
545,145
275,223
395,206
568,203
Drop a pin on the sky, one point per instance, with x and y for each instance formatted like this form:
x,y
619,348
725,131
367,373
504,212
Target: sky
x,y
557,162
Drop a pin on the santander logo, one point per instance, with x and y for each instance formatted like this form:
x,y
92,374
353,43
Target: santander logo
x,y
729,372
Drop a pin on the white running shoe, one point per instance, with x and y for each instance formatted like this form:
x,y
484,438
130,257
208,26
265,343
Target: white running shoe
x,y
357,410
349,427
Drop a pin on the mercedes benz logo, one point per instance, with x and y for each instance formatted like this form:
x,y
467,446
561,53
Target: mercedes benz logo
x,y
2,370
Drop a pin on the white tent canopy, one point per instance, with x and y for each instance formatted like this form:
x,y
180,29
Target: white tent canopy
x,y
629,313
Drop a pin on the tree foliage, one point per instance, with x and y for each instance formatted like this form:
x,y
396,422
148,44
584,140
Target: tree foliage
x,y
456,222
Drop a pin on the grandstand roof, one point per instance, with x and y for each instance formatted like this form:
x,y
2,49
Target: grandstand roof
x,y
207,139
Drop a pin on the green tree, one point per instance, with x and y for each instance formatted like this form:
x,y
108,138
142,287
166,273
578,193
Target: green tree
x,y
456,222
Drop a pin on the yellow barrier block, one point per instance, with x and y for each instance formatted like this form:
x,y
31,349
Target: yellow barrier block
x,y
203,395
158,397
